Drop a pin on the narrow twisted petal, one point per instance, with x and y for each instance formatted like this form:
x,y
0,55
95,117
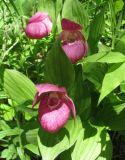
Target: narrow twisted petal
x,y
70,25
71,105
75,51
53,120
36,100
46,87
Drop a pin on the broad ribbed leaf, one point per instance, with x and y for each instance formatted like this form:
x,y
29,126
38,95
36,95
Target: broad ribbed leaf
x,y
20,152
58,68
51,145
123,15
82,98
7,131
28,6
106,153
18,5
122,87
8,112
112,80
96,29
29,136
9,153
89,144
74,10
18,86
23,7
110,57
58,6
113,116
95,73
120,44
3,95
33,148
66,155
47,6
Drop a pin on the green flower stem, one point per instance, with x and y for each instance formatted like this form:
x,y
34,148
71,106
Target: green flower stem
x,y
7,51
113,22
20,140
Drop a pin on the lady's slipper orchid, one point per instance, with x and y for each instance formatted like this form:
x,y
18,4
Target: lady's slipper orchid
x,y
54,108
39,26
73,41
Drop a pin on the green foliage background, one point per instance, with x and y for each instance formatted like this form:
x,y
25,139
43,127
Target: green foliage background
x,y
96,83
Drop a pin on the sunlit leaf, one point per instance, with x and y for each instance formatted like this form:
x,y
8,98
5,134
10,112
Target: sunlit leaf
x,y
9,153
7,112
7,131
33,148
51,145
89,143
106,153
112,80
18,86
29,136
20,152
110,57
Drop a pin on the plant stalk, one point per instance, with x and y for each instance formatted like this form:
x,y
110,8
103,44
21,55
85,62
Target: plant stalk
x,y
113,22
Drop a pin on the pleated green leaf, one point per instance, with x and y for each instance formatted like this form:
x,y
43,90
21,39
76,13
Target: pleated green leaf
x,y
95,73
9,153
58,6
23,7
82,98
33,148
18,86
47,6
96,29
113,117
7,131
58,68
120,44
112,80
110,57
51,145
89,143
106,153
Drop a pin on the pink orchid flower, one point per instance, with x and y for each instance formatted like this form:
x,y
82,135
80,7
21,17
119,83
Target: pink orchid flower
x,y
73,41
39,26
54,108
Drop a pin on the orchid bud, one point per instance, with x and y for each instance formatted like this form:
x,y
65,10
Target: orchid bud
x,y
39,26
